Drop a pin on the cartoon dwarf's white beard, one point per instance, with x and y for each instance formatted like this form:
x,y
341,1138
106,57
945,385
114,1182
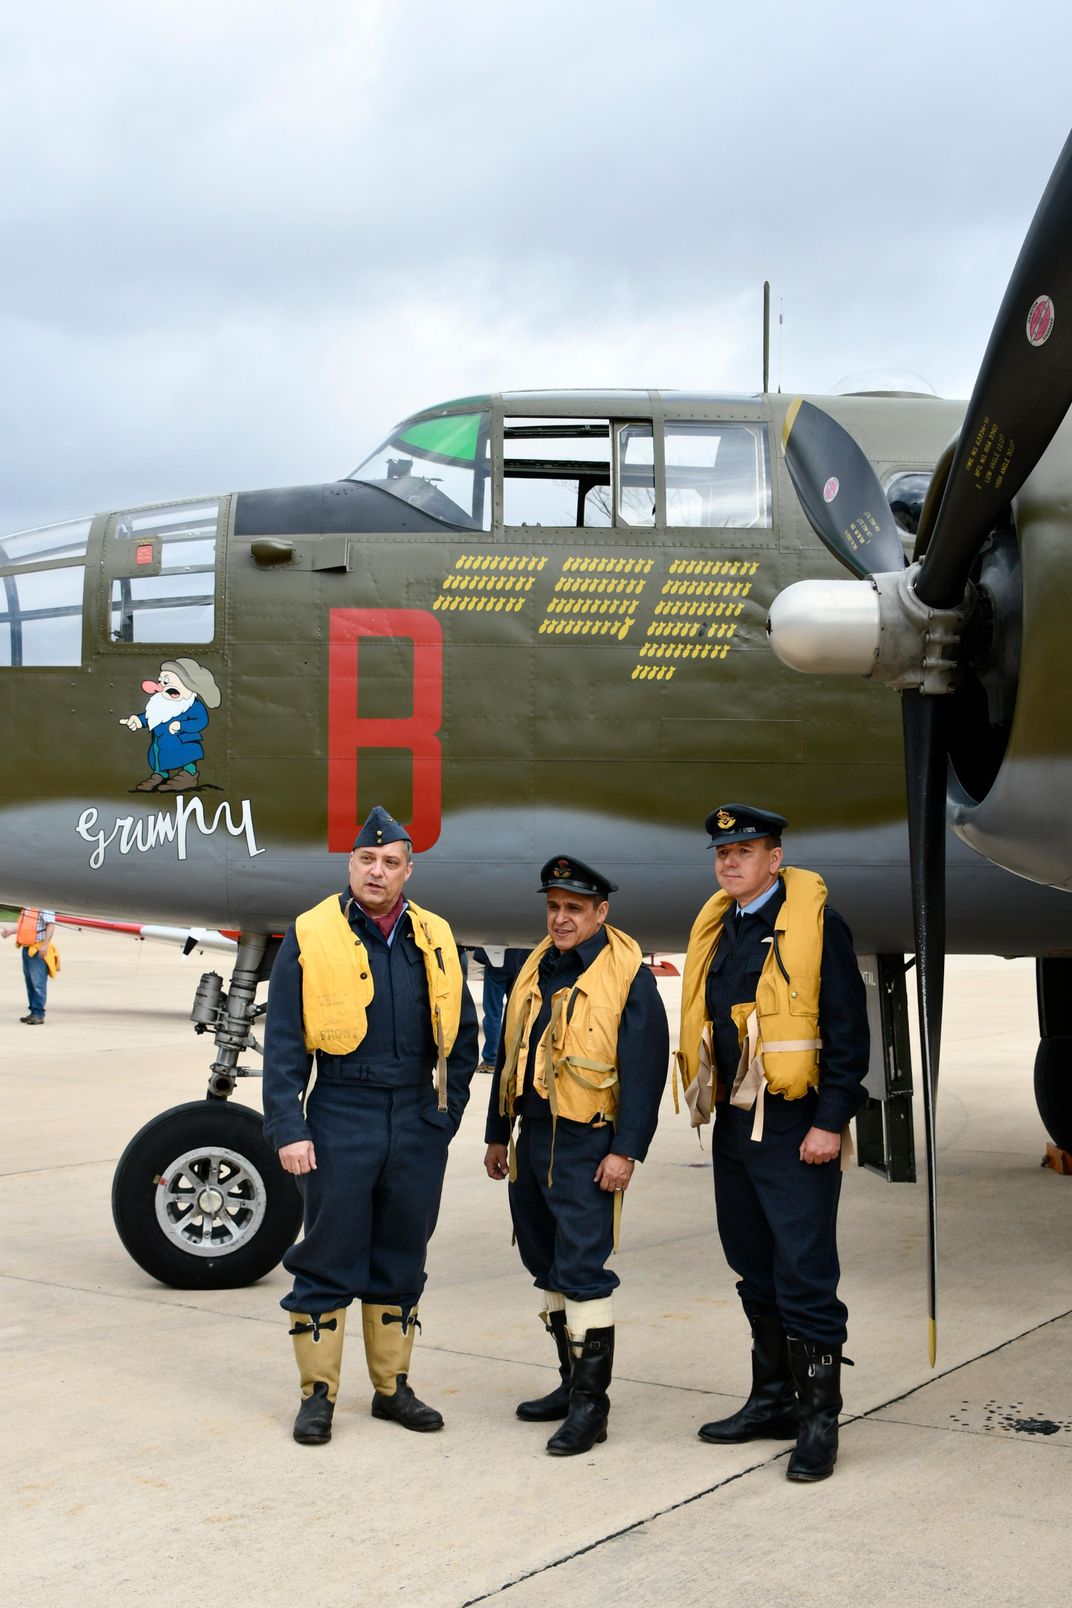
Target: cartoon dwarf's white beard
x,y
160,708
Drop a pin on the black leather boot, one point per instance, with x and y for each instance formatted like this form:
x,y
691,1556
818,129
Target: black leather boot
x,y
771,1411
312,1427
589,1404
556,1403
817,1372
404,1408
389,1332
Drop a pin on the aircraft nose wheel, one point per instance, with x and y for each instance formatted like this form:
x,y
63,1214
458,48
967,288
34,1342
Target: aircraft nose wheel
x,y
200,1201
209,1200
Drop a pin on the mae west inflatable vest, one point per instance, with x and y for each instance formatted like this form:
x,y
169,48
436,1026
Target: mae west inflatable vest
x,y
576,1063
337,986
787,994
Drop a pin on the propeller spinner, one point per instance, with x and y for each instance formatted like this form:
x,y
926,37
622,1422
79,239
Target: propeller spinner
x,y
904,626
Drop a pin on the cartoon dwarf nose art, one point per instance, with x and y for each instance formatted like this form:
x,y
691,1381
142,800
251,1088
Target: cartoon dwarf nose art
x,y
175,717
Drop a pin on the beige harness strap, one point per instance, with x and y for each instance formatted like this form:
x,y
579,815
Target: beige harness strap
x,y
699,1096
848,1149
549,1080
441,1063
619,1196
568,1065
750,1084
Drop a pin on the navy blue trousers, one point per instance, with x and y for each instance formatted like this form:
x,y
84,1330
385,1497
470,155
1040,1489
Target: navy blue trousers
x,y
564,1232
777,1219
372,1203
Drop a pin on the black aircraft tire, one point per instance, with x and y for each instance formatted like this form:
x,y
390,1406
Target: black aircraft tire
x,y
1053,1088
200,1201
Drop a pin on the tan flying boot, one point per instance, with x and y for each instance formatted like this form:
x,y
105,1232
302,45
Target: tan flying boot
x,y
388,1348
318,1352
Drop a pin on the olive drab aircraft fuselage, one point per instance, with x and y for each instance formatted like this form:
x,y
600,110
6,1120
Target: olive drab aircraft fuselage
x,y
529,620
528,623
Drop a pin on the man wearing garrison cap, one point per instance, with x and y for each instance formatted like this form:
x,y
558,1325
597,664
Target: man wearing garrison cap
x,y
370,983
582,1061
774,1037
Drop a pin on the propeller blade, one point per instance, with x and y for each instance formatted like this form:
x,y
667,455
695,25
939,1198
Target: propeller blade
x,y
840,492
926,765
1022,393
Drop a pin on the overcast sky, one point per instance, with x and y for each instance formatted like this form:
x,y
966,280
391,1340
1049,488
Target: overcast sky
x,y
241,238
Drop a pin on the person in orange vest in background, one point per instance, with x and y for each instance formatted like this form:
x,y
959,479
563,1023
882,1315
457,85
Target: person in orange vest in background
x,y
40,958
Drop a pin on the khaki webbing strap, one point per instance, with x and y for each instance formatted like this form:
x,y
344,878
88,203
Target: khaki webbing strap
x,y
570,1062
848,1149
568,1065
750,1084
619,1196
441,1063
700,1094
549,1079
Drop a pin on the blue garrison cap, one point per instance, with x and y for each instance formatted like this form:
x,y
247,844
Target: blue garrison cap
x,y
736,823
380,829
564,872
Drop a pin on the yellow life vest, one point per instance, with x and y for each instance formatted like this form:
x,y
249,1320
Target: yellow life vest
x,y
576,1065
787,994
337,986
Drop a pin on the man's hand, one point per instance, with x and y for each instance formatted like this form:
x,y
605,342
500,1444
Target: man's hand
x,y
298,1158
820,1145
495,1162
614,1172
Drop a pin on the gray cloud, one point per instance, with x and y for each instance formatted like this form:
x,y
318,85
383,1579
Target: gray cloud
x,y
239,241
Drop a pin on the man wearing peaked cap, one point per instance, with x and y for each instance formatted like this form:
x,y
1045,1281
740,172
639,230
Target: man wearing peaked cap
x,y
774,1039
370,983
582,1061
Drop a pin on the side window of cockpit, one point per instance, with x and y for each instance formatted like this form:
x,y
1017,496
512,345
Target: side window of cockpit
x,y
906,494
165,588
717,474
636,474
556,472
42,582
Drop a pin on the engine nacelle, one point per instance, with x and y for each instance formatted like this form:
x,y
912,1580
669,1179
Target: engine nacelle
x,y
1015,806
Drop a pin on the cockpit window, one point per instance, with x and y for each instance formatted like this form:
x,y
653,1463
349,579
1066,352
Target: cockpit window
x,y
556,472
47,544
42,581
167,589
442,466
717,474
906,494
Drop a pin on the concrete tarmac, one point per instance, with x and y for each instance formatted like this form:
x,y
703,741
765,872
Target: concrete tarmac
x,y
147,1452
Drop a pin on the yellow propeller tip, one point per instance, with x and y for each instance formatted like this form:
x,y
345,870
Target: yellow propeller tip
x,y
790,420
932,1339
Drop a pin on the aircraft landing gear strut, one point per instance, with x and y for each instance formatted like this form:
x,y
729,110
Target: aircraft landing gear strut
x,y
231,1016
199,1198
1053,1062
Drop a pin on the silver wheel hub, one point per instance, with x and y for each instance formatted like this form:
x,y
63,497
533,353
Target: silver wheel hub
x,y
210,1201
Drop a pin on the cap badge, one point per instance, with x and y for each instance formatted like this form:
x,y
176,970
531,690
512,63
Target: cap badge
x,y
562,869
725,820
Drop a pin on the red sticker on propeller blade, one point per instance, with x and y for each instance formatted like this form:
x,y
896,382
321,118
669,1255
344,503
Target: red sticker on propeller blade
x,y
1040,320
831,489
